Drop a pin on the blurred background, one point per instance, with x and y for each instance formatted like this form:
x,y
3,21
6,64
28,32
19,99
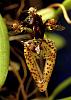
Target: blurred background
x,y
62,69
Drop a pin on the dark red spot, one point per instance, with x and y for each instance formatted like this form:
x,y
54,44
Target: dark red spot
x,y
49,64
46,74
42,86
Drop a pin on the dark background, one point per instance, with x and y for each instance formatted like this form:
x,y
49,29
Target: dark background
x,y
62,68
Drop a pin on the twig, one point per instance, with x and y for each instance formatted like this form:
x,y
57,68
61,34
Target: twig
x,y
18,76
22,62
12,6
46,93
17,37
33,92
20,8
28,83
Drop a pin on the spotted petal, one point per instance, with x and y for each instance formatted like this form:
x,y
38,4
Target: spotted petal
x,y
35,50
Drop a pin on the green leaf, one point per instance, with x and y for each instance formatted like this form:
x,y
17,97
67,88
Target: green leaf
x,y
67,98
67,4
59,41
60,87
47,13
4,51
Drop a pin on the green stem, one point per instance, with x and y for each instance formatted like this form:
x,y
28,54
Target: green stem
x,y
66,4
59,88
